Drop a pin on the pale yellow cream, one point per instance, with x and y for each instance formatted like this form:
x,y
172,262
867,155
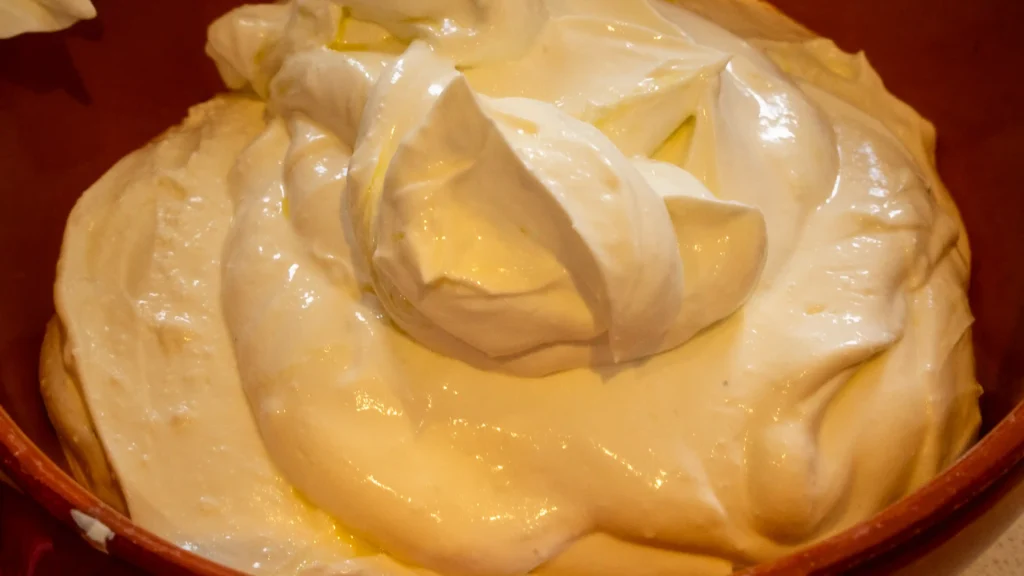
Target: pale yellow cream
x,y
556,287
21,16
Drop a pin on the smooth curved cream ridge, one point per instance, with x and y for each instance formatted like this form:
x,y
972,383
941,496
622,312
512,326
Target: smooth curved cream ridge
x,y
553,287
21,16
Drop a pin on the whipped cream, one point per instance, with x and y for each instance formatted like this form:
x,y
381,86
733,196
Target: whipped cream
x,y
21,16
550,287
509,212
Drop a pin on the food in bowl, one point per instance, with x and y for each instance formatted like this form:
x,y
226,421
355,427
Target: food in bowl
x,y
553,287
21,16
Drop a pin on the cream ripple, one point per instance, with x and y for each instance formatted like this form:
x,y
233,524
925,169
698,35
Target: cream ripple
x,y
550,287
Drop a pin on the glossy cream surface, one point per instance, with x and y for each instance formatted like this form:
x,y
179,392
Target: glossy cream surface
x,y
21,16
495,288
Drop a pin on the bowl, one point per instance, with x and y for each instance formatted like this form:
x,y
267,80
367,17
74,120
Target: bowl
x,y
73,103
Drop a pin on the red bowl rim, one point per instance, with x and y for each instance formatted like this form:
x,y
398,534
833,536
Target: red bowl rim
x,y
985,463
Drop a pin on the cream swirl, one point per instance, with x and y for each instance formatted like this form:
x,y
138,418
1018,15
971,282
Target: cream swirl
x,y
476,212
678,302
471,32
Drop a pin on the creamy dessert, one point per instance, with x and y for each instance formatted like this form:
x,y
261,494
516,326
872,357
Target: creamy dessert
x,y
495,288
21,16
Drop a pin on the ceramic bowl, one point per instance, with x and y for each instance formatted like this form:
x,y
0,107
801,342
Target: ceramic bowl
x,y
73,103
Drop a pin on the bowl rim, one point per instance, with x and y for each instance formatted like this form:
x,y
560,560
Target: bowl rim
x,y
990,459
